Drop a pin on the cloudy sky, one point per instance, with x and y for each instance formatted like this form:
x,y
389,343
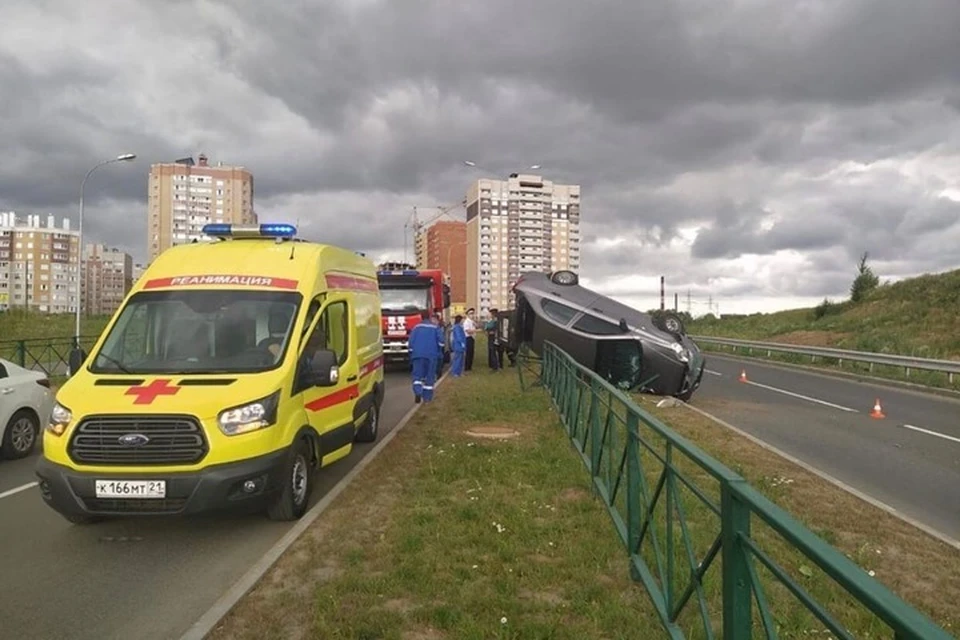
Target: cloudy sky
x,y
749,150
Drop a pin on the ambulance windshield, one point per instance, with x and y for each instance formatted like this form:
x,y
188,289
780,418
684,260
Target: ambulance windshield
x,y
199,331
404,300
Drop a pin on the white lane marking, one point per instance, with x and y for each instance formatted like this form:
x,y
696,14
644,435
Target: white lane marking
x,y
715,373
921,430
802,397
29,485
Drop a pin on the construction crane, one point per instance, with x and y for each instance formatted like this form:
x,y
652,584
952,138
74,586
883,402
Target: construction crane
x,y
418,225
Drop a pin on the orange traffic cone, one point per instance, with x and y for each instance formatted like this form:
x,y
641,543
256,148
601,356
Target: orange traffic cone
x,y
743,375
877,410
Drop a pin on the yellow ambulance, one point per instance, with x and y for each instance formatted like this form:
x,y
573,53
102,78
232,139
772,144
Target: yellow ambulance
x,y
232,369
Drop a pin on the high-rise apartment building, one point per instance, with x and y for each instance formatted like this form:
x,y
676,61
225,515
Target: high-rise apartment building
x,y
38,264
443,245
107,278
183,196
524,223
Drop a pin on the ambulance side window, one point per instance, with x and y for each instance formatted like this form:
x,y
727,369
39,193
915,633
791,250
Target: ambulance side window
x,y
336,323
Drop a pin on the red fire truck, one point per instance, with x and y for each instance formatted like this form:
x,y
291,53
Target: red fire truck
x,y
405,293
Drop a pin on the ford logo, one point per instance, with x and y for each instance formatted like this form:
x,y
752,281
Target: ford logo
x,y
133,440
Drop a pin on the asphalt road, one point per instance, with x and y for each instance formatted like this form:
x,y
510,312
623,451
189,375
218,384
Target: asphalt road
x,y
909,460
133,578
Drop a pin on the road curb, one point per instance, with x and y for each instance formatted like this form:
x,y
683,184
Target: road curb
x,y
209,620
942,537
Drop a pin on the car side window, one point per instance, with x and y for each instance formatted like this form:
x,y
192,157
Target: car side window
x,y
3,371
559,312
596,326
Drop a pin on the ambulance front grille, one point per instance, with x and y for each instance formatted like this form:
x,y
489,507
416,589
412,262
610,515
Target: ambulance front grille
x,y
138,440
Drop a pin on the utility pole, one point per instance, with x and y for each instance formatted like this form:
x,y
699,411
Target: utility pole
x,y
710,304
689,304
661,293
676,302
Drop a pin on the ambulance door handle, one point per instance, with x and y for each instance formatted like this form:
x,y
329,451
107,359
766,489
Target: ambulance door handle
x,y
351,378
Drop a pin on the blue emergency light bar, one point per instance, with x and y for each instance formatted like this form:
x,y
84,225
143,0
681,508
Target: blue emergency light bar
x,y
270,230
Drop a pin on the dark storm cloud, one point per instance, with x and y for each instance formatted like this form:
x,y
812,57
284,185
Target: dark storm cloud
x,y
738,119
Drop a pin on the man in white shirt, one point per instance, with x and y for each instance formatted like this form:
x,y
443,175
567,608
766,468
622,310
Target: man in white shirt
x,y
470,328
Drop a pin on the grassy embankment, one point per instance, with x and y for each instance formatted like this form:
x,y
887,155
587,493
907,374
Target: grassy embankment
x,y
917,317
447,536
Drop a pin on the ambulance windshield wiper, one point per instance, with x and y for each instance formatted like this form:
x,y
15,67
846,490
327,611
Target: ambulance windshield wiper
x,y
116,362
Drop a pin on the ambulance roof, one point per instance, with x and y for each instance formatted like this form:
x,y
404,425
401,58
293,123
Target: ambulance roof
x,y
252,262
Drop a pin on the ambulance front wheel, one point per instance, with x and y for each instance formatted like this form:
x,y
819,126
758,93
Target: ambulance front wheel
x,y
291,501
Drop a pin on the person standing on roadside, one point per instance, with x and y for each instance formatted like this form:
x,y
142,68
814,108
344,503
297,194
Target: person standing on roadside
x,y
423,358
458,345
493,353
470,328
441,342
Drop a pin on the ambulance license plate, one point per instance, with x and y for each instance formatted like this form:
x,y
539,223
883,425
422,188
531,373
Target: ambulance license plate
x,y
131,488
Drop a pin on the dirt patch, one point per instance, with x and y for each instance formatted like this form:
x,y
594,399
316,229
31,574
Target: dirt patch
x,y
574,494
493,432
546,597
423,634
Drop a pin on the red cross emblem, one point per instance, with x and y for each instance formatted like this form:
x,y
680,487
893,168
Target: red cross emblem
x,y
149,393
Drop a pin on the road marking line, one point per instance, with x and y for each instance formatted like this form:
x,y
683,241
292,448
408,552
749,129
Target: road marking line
x,y
715,373
7,494
802,397
908,426
953,542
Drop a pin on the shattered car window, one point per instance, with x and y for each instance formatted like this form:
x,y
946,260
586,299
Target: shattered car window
x,y
619,363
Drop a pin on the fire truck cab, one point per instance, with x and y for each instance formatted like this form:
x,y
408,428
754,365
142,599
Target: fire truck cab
x,y
405,293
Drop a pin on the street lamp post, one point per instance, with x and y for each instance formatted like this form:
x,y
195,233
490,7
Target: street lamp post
x,y
77,355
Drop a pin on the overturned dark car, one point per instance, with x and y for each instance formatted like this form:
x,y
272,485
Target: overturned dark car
x,y
630,349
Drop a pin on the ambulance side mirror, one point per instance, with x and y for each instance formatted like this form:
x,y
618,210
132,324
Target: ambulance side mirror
x,y
76,358
322,372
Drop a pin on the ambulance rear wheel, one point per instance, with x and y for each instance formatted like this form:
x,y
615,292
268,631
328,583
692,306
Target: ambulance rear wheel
x,y
294,496
371,426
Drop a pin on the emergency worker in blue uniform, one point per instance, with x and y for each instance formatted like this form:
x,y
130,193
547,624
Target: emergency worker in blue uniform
x,y
458,344
424,351
442,341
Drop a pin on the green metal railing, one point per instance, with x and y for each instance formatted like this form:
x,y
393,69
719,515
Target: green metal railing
x,y
656,486
50,355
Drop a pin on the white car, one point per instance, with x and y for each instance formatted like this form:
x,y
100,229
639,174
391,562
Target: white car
x,y
25,404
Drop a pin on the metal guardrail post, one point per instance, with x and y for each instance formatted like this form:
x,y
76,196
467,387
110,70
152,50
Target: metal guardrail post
x,y
737,605
21,352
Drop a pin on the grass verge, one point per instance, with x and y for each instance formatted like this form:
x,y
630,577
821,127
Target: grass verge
x,y
920,569
447,536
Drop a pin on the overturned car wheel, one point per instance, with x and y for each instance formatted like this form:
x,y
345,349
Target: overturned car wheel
x,y
670,322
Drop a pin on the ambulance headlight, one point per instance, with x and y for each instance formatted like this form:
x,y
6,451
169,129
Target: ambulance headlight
x,y
245,418
60,418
